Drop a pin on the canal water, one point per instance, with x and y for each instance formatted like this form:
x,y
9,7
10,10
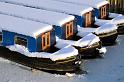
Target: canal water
x,y
107,69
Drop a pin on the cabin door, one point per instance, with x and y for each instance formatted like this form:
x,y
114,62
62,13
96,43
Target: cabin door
x,y
69,29
103,12
45,41
88,19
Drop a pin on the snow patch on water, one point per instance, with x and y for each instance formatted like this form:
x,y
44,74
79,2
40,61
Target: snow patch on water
x,y
4,60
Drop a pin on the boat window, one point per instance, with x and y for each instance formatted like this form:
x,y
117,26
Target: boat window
x,y
20,40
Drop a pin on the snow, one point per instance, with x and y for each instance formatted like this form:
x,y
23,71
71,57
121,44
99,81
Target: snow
x,y
49,17
63,53
86,41
93,3
82,31
53,6
116,19
25,27
103,50
101,22
113,15
108,27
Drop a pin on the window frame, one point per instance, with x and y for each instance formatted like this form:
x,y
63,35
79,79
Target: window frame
x,y
45,40
21,38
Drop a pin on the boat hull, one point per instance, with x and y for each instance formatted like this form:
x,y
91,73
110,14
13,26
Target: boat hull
x,y
108,38
120,29
91,51
41,63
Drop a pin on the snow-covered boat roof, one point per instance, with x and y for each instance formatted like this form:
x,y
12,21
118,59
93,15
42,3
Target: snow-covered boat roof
x,y
93,3
53,6
63,53
21,26
86,41
49,17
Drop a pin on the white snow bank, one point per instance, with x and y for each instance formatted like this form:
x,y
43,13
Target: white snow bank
x,y
113,15
49,17
118,20
53,6
93,3
21,26
108,27
83,42
63,53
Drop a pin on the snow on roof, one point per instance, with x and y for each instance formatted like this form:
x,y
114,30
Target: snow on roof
x,y
63,53
38,15
92,3
21,26
53,6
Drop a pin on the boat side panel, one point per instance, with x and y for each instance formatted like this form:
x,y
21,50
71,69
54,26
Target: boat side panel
x,y
8,39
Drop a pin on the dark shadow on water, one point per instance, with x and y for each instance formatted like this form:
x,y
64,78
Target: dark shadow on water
x,y
110,44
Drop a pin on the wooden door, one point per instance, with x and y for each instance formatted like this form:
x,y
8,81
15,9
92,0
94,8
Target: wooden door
x,y
69,29
103,12
88,19
45,41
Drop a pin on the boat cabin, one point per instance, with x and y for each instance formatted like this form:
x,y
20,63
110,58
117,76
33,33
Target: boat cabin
x,y
101,7
33,35
81,13
65,25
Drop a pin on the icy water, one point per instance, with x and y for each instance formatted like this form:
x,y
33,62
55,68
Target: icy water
x,y
108,69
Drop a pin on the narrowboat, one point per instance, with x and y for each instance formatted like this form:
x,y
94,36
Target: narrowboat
x,y
101,11
32,44
64,25
82,13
